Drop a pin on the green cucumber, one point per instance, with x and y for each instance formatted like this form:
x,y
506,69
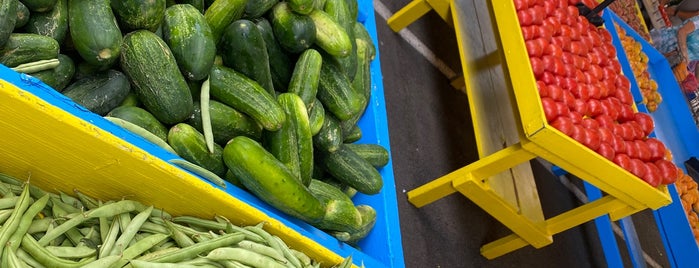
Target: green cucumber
x,y
58,78
361,32
330,35
348,167
354,134
293,143
353,9
226,122
256,8
189,144
94,31
84,69
39,5
243,49
335,91
368,214
270,180
302,7
8,18
247,96
24,48
340,212
101,92
22,15
53,23
195,88
318,4
279,61
138,14
222,13
132,100
306,76
294,32
151,67
141,118
375,154
329,137
340,12
190,39
361,85
198,4
316,117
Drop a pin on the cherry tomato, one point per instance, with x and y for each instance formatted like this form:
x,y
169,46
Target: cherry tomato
x,y
592,139
608,73
638,167
615,66
569,83
563,124
573,11
619,144
622,160
646,122
571,71
597,71
576,47
605,121
550,108
537,67
603,89
652,175
545,32
657,149
610,49
553,23
631,149
606,36
590,76
594,107
606,150
595,91
668,171
562,41
567,57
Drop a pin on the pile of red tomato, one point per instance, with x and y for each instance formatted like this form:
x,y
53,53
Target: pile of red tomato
x,y
583,93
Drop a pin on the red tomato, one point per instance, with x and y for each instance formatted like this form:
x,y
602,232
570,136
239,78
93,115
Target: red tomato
x,y
595,58
622,160
553,23
615,66
571,71
548,78
560,15
549,7
608,73
606,150
604,91
579,75
590,76
525,17
619,144
555,92
562,41
576,117
592,139
543,89
625,113
595,91
627,132
581,92
545,32
554,51
579,106
652,175
610,49
521,4
609,109
594,107
638,133
589,123
668,171
638,168
646,122
643,151
550,108
569,83
567,57
573,11
568,98
624,95
576,47
622,82
657,149
606,36
529,32
631,149
537,67
563,124
606,135
538,14
597,71
534,48
579,133
605,121
562,108
559,67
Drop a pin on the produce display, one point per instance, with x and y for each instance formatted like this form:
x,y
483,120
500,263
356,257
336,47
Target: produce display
x,y
583,93
263,94
639,65
629,13
689,195
43,229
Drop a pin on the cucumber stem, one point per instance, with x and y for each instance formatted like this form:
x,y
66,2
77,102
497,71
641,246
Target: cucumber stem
x,y
36,66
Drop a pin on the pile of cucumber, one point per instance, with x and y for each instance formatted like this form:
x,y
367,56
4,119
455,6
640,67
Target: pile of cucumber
x,y
43,229
264,94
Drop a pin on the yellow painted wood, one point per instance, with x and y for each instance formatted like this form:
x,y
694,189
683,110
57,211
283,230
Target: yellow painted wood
x,y
408,14
443,9
623,212
502,246
63,152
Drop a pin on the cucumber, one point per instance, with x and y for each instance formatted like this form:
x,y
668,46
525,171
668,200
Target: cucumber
x,y
84,69
58,78
330,35
22,15
24,48
256,8
340,12
361,32
245,95
316,116
340,212
293,143
222,13
306,75
200,5
53,23
270,180
39,5
190,39
375,154
368,214
190,145
141,118
329,137
318,4
353,6
8,19
335,91
101,92
362,78
195,88
302,7
149,64
226,122
294,32
348,167
132,100
94,31
354,134
138,14
243,49
279,62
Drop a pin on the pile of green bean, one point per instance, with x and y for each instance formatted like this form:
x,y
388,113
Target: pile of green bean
x,y
42,229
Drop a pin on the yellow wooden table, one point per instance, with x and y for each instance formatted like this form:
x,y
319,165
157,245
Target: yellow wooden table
x,y
511,129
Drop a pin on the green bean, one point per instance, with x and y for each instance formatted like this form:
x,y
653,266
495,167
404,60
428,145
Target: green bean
x,y
25,222
128,233
191,231
157,220
287,253
165,245
233,264
5,214
72,252
12,223
91,238
180,237
28,259
194,221
113,209
75,219
161,214
12,260
150,227
140,131
40,225
8,202
202,172
110,239
124,220
262,249
206,115
139,248
71,201
103,262
15,186
5,189
230,228
88,201
9,180
156,254
194,250
244,256
44,257
200,261
74,236
145,264
36,66
305,260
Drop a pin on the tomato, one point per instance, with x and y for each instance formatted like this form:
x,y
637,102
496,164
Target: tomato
x,y
594,107
606,150
545,32
622,160
521,4
615,66
589,123
562,108
638,168
618,144
605,121
628,132
567,57
550,108
534,47
568,98
560,15
562,41
579,106
605,135
657,149
555,92
608,73
638,133
610,49
624,95
576,47
553,23
549,7
537,67
563,124
604,90
631,149
571,71
576,117
643,150
652,175
548,78
594,57
579,133
543,89
606,36
625,113
592,139
572,11
569,83
668,171
581,92
622,82
559,67
554,51
538,14
525,17
609,109
595,91
646,122
590,76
